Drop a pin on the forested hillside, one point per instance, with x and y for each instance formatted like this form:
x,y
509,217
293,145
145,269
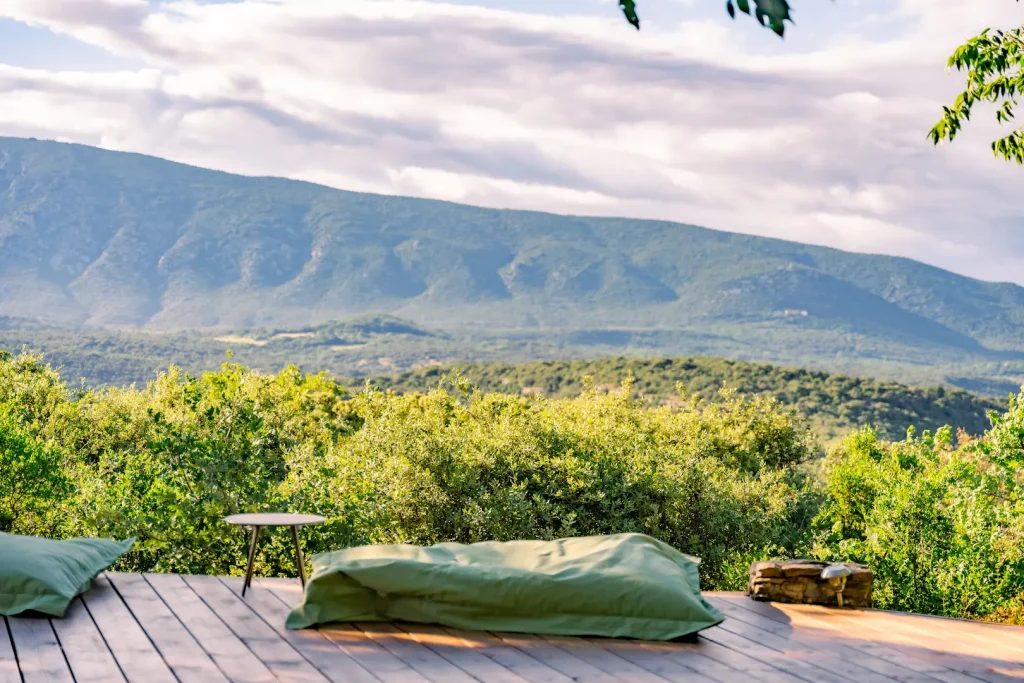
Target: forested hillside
x,y
833,404
115,239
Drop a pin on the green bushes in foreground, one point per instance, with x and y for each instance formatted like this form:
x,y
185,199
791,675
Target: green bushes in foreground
x,y
728,480
942,526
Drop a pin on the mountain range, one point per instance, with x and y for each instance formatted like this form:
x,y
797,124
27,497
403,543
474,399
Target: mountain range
x,y
109,239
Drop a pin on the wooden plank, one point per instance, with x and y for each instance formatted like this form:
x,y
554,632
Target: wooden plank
x,y
792,661
9,672
840,658
718,656
559,660
458,653
832,662
331,661
280,657
39,654
832,637
287,590
604,659
370,654
909,646
185,657
930,654
516,661
921,651
1001,642
428,663
347,638
232,657
660,659
138,659
1001,639
711,660
87,653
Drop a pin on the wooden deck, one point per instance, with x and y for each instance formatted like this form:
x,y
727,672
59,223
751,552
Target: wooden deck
x,y
153,628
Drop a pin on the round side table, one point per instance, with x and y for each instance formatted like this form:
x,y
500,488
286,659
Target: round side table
x,y
258,520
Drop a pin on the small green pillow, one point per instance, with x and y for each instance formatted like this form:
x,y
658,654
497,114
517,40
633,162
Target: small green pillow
x,y
43,575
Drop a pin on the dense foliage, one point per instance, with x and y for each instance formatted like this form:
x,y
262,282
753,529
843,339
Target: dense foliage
x,y
942,527
993,62
833,404
729,480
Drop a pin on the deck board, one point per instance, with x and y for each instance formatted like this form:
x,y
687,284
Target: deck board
x,y
9,672
424,661
162,628
345,638
658,662
516,661
478,665
137,657
84,647
39,655
885,662
185,657
568,664
843,661
603,659
931,648
232,656
281,658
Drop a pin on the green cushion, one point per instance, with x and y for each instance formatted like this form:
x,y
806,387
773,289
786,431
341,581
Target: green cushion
x,y
627,585
42,575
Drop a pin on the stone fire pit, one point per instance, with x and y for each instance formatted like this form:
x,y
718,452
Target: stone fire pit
x,y
801,581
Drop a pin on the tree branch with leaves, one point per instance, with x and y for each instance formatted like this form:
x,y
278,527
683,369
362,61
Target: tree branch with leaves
x,y
992,60
994,63
771,13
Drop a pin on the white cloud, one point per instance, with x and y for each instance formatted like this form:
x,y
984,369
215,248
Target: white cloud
x,y
505,108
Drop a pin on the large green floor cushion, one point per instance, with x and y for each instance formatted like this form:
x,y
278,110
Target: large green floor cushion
x,y
42,575
627,585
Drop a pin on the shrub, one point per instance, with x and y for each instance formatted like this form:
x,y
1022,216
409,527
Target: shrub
x,y
942,527
33,481
168,463
430,468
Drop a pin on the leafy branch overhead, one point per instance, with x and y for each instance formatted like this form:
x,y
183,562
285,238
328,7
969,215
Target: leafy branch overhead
x,y
994,63
771,13
992,60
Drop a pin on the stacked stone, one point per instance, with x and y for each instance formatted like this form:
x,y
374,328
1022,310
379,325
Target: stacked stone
x,y
799,581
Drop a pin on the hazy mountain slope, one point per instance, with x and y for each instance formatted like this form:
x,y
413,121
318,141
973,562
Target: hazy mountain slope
x,y
107,238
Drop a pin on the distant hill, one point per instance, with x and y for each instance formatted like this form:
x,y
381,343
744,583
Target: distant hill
x,y
114,240
834,404
376,348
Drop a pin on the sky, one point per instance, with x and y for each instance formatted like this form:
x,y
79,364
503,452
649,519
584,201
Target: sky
x,y
554,105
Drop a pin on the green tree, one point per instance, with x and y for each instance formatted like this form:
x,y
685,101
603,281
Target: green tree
x,y
994,64
32,480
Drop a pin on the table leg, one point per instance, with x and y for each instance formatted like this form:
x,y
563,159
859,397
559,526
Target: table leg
x,y
252,558
298,556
